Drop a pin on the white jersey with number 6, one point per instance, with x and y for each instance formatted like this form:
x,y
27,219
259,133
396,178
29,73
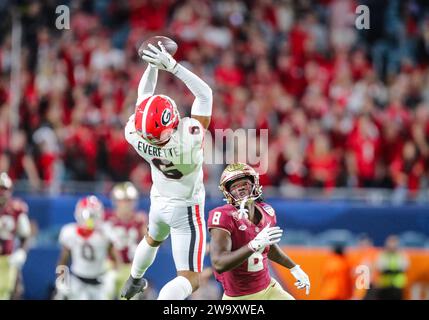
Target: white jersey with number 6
x,y
88,254
176,167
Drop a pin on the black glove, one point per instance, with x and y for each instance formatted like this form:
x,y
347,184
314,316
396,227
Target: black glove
x,y
132,287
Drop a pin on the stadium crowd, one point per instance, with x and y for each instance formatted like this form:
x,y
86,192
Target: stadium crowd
x,y
344,107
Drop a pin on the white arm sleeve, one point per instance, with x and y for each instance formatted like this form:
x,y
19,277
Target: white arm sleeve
x,y
65,236
23,227
147,84
130,130
202,105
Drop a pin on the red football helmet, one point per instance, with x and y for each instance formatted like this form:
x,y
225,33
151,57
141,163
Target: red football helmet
x,y
89,212
156,118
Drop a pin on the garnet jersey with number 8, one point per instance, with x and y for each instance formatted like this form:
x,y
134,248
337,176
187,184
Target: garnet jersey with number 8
x,y
177,166
252,275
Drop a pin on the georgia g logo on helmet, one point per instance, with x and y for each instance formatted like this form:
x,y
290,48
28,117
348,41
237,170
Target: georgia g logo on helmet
x,y
166,117
156,118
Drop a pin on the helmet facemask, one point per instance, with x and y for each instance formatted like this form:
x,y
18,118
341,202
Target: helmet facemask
x,y
242,194
240,191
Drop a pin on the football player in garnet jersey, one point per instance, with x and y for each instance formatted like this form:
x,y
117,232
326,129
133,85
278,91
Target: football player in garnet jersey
x,y
244,236
14,224
88,247
125,227
173,146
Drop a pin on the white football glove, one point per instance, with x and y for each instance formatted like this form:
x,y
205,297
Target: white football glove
x,y
160,58
303,281
268,236
17,259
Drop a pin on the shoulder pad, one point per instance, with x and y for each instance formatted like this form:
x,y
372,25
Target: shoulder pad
x,y
268,209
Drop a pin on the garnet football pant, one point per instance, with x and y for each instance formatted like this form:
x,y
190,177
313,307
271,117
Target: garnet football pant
x,y
274,291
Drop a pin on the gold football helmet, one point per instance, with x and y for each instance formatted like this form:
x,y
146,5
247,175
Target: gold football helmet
x,y
236,171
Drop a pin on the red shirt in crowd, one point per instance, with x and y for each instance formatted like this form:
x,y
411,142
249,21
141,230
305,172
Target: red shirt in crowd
x,y
365,149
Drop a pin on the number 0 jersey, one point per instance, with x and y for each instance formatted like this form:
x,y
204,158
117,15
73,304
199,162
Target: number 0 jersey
x,y
253,274
176,167
89,253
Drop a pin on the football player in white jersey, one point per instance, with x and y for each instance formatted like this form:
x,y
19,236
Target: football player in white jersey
x,y
89,249
173,147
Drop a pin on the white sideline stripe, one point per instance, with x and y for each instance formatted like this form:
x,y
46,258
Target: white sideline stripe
x,y
145,115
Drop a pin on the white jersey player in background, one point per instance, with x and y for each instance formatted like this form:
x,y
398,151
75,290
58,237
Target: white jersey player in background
x,y
173,148
88,247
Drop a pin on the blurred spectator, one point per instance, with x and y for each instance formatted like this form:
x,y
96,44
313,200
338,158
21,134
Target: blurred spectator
x,y
344,107
392,265
48,148
104,56
363,152
80,153
18,160
227,74
337,282
322,163
407,169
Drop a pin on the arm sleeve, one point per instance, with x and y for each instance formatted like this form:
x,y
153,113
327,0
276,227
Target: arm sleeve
x,y
64,238
147,84
130,130
23,228
202,105
196,133
221,220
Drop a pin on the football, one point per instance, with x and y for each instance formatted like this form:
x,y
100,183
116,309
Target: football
x,y
169,44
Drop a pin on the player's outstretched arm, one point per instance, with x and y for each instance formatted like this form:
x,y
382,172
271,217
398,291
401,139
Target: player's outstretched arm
x,y
202,106
277,255
222,258
147,83
64,257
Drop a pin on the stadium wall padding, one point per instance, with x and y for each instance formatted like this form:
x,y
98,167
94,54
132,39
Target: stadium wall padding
x,y
378,221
